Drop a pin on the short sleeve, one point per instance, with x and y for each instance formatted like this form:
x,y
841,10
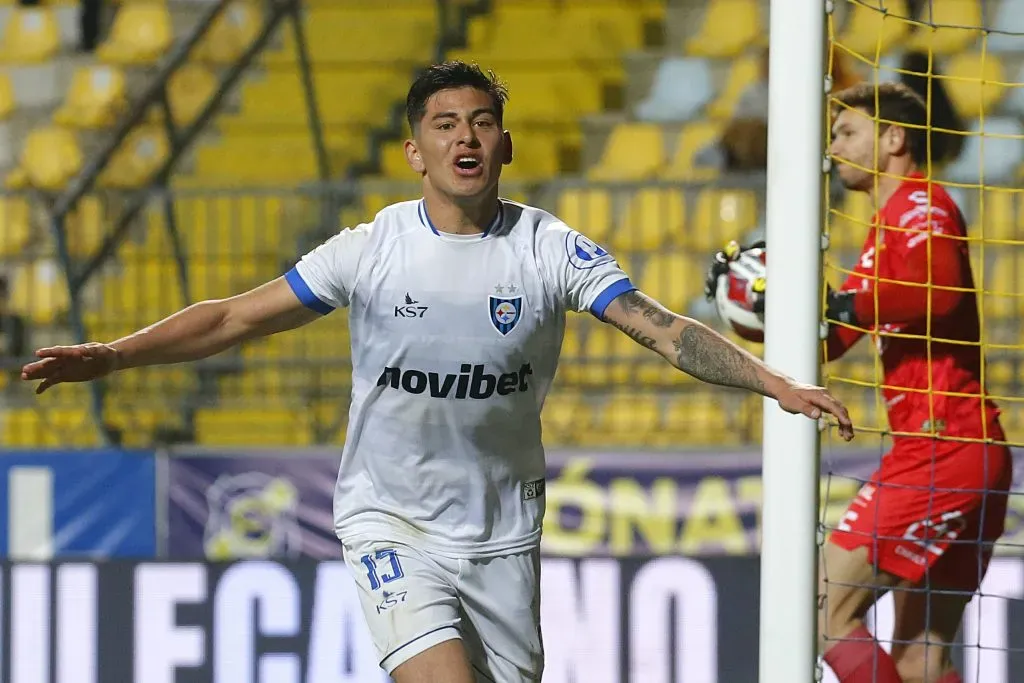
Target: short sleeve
x,y
324,278
584,275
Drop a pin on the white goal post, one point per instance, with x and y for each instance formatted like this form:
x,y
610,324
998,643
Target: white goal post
x,y
793,232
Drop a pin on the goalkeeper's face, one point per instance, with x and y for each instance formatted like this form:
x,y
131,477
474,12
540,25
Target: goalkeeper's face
x,y
858,150
460,145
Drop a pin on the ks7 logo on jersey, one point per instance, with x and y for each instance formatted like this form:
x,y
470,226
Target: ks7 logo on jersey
x,y
411,309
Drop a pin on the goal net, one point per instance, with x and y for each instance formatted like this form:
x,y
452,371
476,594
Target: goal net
x,y
966,60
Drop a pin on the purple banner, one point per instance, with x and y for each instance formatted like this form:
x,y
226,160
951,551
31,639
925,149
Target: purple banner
x,y
246,504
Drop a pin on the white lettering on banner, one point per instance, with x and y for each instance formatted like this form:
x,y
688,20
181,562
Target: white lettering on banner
x,y
582,639
340,649
691,588
76,623
30,624
985,623
30,513
985,651
268,592
161,646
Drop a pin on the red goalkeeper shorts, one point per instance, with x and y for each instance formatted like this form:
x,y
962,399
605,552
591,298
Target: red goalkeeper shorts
x,y
932,512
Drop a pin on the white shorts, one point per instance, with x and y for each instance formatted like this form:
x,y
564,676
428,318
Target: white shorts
x,y
413,601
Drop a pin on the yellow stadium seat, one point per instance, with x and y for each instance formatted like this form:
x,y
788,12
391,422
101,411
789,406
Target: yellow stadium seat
x,y
231,34
588,210
697,418
258,159
728,27
39,290
673,278
271,385
949,30
870,32
995,218
535,156
721,215
565,414
634,151
51,156
1004,283
188,91
393,163
609,357
7,101
52,427
15,225
544,96
557,34
850,221
627,418
246,426
975,83
355,35
141,34
138,425
96,98
30,36
140,155
744,71
85,227
693,138
653,218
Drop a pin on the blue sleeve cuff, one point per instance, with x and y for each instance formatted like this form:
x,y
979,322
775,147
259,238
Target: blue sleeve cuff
x,y
608,295
305,294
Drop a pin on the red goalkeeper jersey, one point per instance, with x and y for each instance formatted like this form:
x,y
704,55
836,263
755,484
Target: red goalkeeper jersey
x,y
916,238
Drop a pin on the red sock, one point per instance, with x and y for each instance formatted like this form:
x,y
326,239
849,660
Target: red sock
x,y
862,660
951,677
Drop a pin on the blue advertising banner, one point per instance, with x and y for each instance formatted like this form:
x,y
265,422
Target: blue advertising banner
x,y
78,504
246,504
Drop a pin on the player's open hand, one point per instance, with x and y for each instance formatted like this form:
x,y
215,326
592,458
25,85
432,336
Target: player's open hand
x,y
812,401
79,363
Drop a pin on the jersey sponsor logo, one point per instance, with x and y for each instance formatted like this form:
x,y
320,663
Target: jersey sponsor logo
x,y
505,312
471,382
411,308
584,253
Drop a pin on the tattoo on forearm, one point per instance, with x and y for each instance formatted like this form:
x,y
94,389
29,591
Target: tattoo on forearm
x,y
634,302
636,335
709,357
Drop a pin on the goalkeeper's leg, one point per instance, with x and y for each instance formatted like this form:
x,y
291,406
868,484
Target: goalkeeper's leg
x,y
851,584
926,622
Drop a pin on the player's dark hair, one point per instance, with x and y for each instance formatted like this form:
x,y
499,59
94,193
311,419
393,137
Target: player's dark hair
x,y
446,76
891,104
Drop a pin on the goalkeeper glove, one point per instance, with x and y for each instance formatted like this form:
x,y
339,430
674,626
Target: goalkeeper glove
x,y
839,307
720,265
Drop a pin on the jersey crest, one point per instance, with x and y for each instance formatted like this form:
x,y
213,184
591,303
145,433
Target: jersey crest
x,y
505,312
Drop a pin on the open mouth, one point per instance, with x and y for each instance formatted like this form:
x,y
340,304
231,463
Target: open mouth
x,y
468,166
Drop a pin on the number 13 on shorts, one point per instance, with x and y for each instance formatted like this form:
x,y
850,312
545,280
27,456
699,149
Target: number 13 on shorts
x,y
382,567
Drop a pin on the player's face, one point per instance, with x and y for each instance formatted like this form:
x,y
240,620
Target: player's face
x,y
854,150
460,145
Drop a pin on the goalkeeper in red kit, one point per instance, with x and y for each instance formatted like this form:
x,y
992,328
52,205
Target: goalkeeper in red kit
x,y
925,523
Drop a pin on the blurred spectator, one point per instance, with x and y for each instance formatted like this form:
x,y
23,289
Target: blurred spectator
x,y
12,333
944,146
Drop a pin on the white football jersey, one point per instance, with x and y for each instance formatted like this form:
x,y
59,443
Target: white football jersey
x,y
455,342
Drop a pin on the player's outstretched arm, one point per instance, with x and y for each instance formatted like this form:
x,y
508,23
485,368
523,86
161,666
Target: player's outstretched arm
x,y
199,331
706,355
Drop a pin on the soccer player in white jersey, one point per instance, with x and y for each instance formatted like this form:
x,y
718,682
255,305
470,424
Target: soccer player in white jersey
x,y
457,310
